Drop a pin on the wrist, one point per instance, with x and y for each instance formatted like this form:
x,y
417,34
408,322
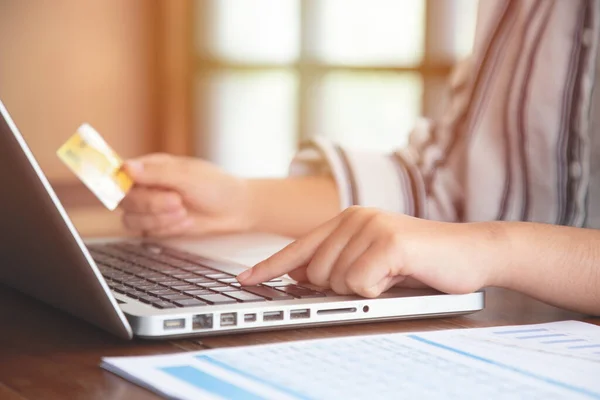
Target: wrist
x,y
496,249
252,205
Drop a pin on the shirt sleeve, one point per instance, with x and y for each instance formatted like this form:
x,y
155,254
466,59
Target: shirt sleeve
x,y
421,179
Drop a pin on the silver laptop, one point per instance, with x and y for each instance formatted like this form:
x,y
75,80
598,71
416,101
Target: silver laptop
x,y
162,289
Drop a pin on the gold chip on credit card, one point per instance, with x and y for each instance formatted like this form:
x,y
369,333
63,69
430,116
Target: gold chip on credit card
x,y
97,165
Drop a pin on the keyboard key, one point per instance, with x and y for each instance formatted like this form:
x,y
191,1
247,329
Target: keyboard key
x,y
149,274
173,297
171,271
244,296
134,294
216,299
162,292
146,298
210,284
190,303
163,304
134,282
119,288
224,289
184,276
160,279
198,270
147,287
198,292
183,288
172,283
236,284
198,279
267,292
227,280
300,292
218,275
182,255
276,284
154,252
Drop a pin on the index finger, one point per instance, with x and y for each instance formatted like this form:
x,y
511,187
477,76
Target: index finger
x,y
294,255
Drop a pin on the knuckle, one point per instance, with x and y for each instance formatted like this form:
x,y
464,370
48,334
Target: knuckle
x,y
357,285
339,286
375,219
380,218
315,276
127,222
153,204
299,274
354,284
395,240
146,223
351,211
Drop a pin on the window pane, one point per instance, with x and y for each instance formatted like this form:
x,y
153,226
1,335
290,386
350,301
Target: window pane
x,y
250,126
251,31
368,32
466,17
371,111
451,29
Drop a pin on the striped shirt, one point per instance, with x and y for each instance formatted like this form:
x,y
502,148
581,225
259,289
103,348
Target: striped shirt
x,y
516,140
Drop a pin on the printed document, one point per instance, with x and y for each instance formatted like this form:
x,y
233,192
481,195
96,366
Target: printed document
x,y
558,360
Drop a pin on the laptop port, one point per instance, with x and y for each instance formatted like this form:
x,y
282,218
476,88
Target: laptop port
x,y
229,319
250,317
174,323
298,314
337,310
202,321
273,316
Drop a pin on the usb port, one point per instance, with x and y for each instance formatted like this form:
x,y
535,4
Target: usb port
x,y
298,314
250,317
202,321
174,323
273,316
229,319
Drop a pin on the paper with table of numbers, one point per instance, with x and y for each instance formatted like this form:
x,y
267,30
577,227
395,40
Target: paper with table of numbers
x,y
558,360
97,165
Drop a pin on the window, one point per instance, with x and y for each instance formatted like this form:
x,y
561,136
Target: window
x,y
271,73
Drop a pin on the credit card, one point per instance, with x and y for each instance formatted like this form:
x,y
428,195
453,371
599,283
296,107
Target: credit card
x,y
97,166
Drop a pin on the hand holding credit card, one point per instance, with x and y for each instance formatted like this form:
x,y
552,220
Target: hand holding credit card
x,y
97,165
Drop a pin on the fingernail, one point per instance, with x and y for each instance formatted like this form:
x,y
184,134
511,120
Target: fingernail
x,y
134,167
244,275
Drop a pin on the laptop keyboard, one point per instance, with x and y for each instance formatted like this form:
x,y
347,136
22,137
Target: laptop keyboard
x,y
167,278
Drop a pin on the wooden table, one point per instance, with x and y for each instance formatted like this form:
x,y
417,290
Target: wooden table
x,y
47,354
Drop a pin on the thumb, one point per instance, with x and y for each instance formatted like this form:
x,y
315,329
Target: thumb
x,y
161,170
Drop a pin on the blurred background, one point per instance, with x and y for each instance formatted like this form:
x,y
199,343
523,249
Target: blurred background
x,y
237,82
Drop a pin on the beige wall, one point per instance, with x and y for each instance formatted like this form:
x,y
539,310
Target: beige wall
x,y
64,62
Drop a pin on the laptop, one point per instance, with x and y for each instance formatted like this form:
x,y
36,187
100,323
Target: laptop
x,y
163,289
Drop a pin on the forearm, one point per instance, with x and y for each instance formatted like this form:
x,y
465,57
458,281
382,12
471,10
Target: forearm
x,y
555,264
292,206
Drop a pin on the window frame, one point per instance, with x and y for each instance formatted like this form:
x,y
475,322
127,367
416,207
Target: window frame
x,y
434,68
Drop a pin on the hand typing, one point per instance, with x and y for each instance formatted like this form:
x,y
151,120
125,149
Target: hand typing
x,y
365,251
